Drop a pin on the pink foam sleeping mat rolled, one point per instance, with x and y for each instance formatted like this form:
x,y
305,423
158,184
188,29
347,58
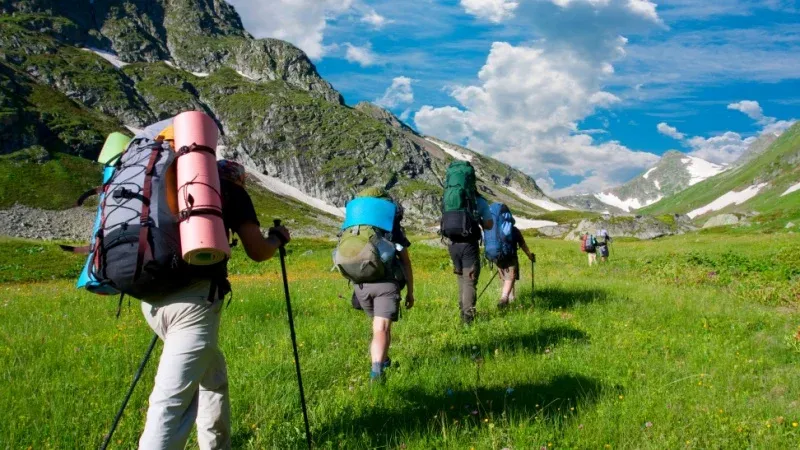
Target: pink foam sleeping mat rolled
x,y
203,237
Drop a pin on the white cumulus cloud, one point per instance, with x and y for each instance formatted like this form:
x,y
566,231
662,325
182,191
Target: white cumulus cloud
x,y
670,131
374,19
753,110
363,56
723,149
301,22
399,93
491,10
529,98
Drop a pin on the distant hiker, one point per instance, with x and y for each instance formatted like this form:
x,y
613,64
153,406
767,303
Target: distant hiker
x,y
500,247
136,251
192,382
589,246
464,212
373,254
602,244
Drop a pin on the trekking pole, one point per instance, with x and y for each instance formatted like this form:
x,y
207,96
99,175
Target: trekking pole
x,y
282,251
487,286
136,377
533,279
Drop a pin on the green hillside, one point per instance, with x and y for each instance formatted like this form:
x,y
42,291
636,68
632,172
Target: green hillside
x,y
777,166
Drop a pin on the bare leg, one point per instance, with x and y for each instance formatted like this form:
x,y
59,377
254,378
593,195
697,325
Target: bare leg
x,y
381,339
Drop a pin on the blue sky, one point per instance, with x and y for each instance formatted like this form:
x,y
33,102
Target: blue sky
x,y
580,94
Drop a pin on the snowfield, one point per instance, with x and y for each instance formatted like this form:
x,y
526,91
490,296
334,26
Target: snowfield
x,y
108,56
241,74
526,224
647,174
658,185
540,202
627,204
451,151
279,187
731,198
794,188
700,169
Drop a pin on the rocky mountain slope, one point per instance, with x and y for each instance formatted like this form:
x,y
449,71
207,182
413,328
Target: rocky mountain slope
x,y
673,173
767,187
71,72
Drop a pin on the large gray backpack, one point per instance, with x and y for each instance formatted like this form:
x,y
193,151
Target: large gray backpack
x,y
137,246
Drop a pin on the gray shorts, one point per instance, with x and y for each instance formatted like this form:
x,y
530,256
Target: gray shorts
x,y
378,299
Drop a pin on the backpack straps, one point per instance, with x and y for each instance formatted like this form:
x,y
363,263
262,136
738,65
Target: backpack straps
x,y
144,219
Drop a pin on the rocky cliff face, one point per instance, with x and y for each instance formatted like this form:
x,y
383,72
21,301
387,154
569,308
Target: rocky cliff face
x,y
71,72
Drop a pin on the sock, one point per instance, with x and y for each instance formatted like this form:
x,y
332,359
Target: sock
x,y
377,368
503,299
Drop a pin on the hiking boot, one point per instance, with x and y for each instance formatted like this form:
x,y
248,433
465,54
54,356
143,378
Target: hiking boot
x,y
377,378
502,303
387,363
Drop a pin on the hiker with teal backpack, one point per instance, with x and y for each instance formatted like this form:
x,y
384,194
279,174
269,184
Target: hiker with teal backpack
x,y
464,213
182,303
373,254
589,246
500,247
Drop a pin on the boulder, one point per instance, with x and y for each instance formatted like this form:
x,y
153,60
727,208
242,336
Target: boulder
x,y
640,227
722,220
555,231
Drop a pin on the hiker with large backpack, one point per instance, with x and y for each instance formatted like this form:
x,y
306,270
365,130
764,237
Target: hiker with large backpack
x,y
500,247
373,254
464,213
181,302
589,246
602,244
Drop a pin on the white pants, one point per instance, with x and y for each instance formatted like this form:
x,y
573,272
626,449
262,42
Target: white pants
x,y
192,381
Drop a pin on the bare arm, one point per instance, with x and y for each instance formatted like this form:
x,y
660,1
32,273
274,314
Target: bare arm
x,y
257,247
405,261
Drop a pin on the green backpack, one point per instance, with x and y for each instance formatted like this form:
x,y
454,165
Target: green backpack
x,y
460,201
358,255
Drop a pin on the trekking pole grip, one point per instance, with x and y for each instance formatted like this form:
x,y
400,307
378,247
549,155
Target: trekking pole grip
x,y
277,223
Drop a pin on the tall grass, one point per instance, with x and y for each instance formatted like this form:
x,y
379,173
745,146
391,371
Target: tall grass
x,y
649,351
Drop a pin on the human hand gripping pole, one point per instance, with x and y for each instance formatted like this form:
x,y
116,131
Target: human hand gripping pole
x,y
282,251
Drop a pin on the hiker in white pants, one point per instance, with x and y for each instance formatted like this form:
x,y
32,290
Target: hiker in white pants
x,y
192,380
191,384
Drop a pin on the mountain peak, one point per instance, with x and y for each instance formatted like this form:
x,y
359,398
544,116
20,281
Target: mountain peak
x,y
383,115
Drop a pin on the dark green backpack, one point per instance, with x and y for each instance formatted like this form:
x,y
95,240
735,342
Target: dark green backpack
x,y
460,201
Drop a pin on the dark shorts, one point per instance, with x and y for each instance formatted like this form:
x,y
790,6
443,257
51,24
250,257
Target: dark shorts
x,y
603,250
508,269
378,299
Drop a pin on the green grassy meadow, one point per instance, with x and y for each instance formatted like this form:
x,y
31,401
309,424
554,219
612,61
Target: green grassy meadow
x,y
686,342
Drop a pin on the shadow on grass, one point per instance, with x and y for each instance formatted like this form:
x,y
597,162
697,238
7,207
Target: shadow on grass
x,y
539,342
559,297
425,412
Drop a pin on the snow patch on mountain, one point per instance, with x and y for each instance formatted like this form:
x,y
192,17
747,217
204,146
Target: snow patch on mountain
x,y
627,204
647,174
540,202
700,169
794,188
731,198
527,224
277,186
451,151
108,56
